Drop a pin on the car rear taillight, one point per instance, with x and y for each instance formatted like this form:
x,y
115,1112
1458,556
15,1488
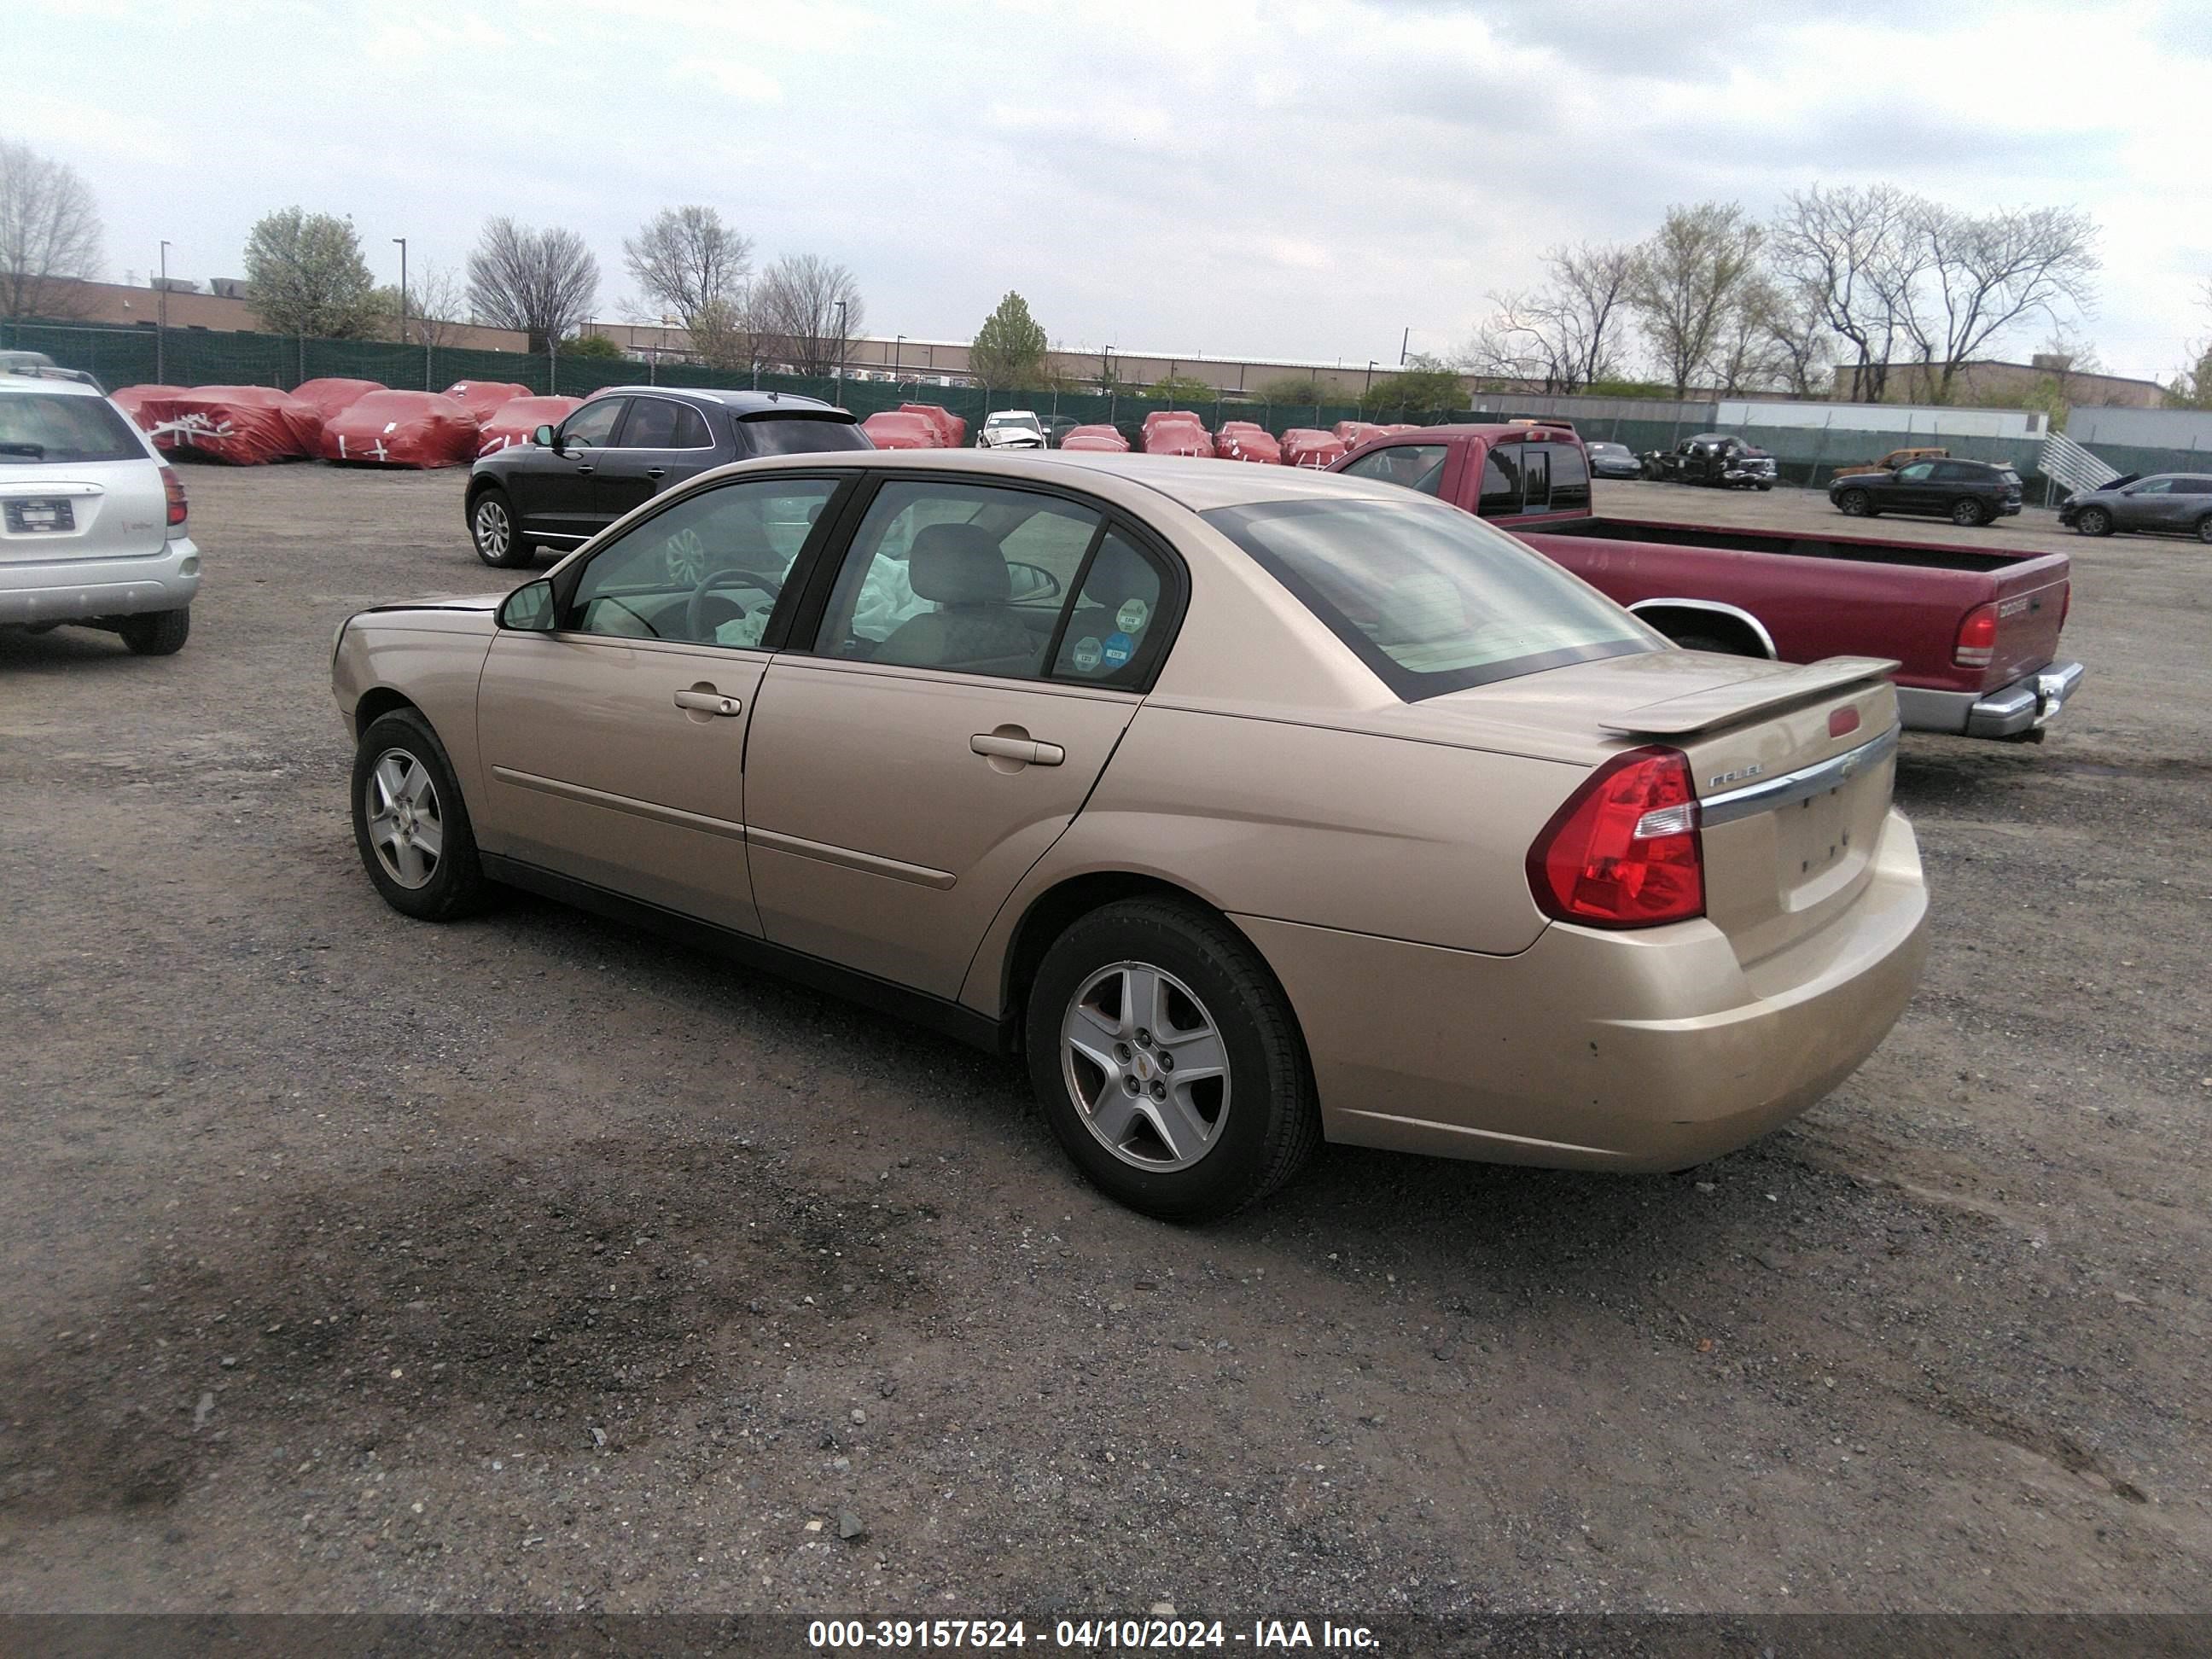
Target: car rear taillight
x,y
1978,638
1624,851
175,489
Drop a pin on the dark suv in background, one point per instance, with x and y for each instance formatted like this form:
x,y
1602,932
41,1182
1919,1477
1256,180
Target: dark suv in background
x,y
1964,492
625,445
2179,504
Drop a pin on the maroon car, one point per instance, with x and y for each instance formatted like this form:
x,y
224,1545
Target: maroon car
x,y
1974,631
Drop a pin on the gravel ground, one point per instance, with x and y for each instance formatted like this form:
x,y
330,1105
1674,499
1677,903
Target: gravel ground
x,y
533,1263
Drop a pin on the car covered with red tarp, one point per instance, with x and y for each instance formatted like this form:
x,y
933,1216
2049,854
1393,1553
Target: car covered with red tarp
x,y
894,428
1248,440
952,429
518,417
1306,445
1352,433
482,399
1176,432
1101,440
402,429
148,406
329,396
242,425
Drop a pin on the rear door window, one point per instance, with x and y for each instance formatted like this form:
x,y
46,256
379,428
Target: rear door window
x,y
44,426
1570,477
652,424
1118,628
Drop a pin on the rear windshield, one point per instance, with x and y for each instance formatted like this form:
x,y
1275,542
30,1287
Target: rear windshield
x,y
1430,597
39,426
801,434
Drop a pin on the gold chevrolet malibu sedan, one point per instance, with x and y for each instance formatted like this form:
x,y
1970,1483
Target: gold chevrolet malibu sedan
x,y
1254,806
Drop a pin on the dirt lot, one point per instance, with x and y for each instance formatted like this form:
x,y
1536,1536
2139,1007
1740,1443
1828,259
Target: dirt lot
x,y
532,1263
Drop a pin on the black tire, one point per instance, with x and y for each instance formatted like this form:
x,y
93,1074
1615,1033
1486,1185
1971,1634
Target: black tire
x,y
2093,521
494,532
455,882
1969,514
1763,489
1270,1120
1856,504
156,633
2204,528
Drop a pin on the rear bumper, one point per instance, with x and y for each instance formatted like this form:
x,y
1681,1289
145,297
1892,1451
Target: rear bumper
x,y
2026,705
1595,1050
80,590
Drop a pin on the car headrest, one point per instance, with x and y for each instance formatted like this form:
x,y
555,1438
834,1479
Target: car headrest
x,y
958,564
1421,608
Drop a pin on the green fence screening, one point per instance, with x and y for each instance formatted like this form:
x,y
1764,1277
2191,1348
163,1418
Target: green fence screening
x,y
118,356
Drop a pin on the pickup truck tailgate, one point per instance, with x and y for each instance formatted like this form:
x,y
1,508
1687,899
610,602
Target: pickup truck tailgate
x,y
2031,606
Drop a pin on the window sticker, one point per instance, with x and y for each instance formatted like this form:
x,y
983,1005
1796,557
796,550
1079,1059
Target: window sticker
x,y
1132,616
1119,648
1088,653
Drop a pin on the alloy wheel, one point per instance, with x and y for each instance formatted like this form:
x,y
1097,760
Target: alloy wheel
x,y
1146,1067
1966,513
1853,503
405,825
494,532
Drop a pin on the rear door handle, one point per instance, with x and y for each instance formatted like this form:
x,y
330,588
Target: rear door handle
x,y
1017,749
587,468
656,472
710,702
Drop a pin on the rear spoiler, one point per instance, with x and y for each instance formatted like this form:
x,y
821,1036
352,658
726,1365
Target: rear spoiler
x,y
1721,704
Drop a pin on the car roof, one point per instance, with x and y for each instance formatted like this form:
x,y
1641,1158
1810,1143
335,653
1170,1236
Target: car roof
x,y
33,379
1199,485
739,400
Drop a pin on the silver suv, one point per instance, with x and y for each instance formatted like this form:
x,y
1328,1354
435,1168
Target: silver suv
x,y
91,520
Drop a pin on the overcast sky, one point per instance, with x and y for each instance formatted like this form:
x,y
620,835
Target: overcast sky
x,y
1275,180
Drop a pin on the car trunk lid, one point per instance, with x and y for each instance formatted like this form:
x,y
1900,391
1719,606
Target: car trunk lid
x,y
1792,766
2031,603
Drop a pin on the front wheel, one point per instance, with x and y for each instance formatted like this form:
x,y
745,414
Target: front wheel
x,y
1168,1061
2094,521
2204,528
1854,504
1968,512
409,821
156,633
492,528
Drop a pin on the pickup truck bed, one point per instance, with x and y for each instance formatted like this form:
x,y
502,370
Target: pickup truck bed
x,y
1975,632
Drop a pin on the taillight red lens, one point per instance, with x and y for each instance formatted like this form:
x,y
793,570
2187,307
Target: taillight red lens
x,y
1624,851
175,490
1978,638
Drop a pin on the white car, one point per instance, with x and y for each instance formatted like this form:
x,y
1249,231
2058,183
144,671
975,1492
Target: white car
x,y
92,519
1012,429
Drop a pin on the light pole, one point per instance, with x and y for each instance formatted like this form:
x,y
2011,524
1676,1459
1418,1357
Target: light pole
x,y
898,349
1369,386
841,351
1404,341
161,320
1106,374
402,240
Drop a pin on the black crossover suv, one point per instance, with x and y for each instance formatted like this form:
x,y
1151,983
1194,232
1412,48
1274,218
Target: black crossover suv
x,y
1964,492
621,447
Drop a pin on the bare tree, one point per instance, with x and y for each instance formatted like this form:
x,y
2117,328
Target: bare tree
x,y
1566,334
1800,350
1686,278
542,283
1987,273
1847,255
808,308
49,235
686,258
437,306
725,336
2192,387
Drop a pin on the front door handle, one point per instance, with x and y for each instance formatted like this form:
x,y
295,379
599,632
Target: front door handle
x,y
707,700
1001,745
656,472
587,467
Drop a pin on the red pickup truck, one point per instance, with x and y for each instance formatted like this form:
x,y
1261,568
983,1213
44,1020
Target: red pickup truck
x,y
1975,632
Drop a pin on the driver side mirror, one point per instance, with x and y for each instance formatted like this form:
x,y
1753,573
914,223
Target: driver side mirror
x,y
530,609
543,437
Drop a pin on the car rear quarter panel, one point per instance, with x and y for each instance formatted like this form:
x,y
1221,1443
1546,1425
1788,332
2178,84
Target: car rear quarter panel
x,y
433,659
1340,830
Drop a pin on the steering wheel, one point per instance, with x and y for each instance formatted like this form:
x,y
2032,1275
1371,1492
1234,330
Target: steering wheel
x,y
694,609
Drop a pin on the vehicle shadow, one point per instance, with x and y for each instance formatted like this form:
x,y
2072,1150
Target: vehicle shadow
x,y
59,647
